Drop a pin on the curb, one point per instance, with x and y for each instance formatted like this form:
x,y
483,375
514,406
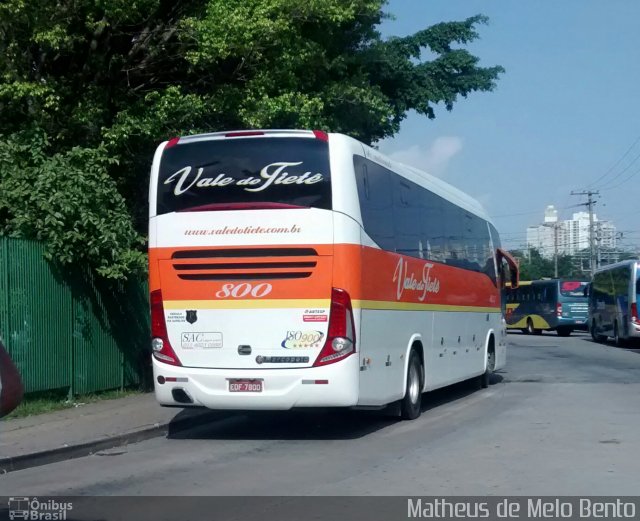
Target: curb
x,y
80,450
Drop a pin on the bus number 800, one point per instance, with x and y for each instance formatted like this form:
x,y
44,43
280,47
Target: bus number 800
x,y
244,289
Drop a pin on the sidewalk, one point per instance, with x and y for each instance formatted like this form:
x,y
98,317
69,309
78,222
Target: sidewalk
x,y
85,429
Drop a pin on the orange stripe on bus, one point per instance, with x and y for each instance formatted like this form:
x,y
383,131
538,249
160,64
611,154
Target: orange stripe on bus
x,y
368,274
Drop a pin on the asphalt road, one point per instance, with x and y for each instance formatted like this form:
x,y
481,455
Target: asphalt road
x,y
562,419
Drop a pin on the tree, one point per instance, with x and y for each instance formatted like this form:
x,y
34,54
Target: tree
x,y
88,88
568,268
533,266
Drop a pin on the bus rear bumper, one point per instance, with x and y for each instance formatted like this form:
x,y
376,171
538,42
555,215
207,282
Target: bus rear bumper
x,y
577,324
335,385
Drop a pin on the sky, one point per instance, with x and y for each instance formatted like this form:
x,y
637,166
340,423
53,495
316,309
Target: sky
x,y
565,115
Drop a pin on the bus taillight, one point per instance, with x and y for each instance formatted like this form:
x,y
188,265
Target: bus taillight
x,y
559,309
160,345
341,336
634,313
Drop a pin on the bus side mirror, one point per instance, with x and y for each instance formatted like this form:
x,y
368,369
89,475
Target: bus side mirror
x,y
513,268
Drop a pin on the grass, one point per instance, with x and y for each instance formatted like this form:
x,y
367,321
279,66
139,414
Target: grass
x,y
41,403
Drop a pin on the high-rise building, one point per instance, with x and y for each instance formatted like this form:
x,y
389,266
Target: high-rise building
x,y
542,236
572,235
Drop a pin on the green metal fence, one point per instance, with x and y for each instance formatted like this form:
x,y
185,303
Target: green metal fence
x,y
69,330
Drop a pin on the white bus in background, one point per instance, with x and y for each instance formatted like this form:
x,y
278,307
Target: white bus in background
x,y
613,302
293,268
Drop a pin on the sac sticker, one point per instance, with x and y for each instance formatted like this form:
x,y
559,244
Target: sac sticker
x,y
209,340
303,339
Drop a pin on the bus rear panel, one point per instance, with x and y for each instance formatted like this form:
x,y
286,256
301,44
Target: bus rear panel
x,y
613,302
548,305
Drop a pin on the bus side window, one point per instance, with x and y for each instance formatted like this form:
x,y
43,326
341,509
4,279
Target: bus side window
x,y
365,181
376,203
476,240
493,242
432,226
407,214
454,245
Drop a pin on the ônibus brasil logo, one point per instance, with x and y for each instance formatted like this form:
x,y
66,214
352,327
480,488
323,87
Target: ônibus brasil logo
x,y
38,510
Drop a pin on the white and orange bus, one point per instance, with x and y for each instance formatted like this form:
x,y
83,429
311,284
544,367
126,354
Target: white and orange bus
x,y
293,268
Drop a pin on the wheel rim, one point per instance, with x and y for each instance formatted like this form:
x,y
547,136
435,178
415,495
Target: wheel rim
x,y
414,384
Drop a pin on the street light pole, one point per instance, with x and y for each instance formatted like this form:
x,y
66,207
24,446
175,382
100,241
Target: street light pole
x,y
555,246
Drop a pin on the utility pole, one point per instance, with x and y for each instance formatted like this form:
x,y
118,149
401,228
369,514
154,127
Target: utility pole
x,y
592,243
598,247
555,250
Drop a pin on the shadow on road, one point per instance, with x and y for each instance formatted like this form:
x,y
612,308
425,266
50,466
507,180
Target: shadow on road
x,y
632,345
307,424
574,334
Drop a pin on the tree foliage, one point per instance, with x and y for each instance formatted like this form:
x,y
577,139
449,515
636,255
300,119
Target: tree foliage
x,y
533,266
69,201
89,87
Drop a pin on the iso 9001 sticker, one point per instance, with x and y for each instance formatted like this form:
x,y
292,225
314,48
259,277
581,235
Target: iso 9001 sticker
x,y
302,339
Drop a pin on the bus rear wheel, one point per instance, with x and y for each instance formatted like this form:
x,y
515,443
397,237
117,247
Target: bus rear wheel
x,y
411,404
617,339
596,337
530,329
485,378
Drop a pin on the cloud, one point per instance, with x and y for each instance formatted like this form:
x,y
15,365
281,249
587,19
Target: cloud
x,y
433,159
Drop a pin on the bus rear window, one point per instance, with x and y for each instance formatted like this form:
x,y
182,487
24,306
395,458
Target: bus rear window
x,y
245,173
572,288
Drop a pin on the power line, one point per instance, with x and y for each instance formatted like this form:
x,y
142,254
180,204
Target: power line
x,y
624,181
616,163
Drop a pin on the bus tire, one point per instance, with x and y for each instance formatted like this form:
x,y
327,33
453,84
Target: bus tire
x,y
596,337
411,404
530,329
617,340
563,331
485,378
